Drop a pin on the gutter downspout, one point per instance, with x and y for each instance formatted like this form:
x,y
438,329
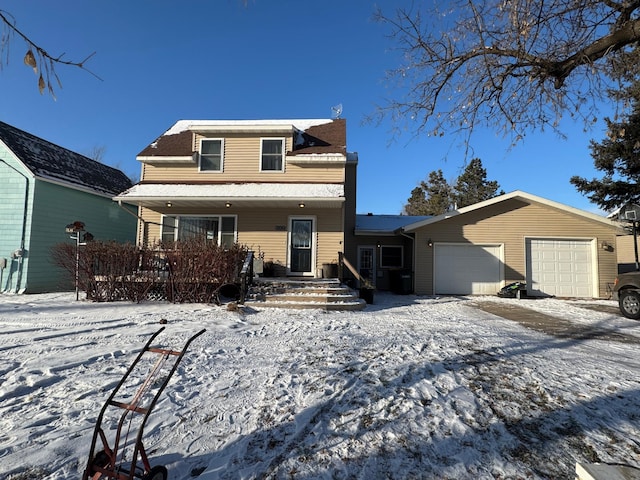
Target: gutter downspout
x,y
20,252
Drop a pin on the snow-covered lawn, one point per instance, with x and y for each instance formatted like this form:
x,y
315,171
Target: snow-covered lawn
x,y
411,387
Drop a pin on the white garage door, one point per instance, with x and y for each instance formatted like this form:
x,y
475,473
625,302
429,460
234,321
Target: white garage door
x,y
563,268
462,269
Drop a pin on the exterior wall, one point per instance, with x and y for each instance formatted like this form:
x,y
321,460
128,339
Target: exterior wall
x,y
510,223
350,247
626,254
385,276
242,164
266,230
55,207
15,218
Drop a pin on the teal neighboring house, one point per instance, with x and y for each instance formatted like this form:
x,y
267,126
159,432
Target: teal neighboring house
x,y
44,188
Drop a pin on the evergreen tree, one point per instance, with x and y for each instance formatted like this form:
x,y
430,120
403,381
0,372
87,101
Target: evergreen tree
x,y
417,203
472,185
438,193
618,157
432,197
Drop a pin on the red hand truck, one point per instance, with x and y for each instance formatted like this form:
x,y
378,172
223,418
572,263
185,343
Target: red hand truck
x,y
110,462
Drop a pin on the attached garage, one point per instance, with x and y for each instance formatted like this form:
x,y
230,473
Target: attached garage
x,y
517,237
561,267
463,269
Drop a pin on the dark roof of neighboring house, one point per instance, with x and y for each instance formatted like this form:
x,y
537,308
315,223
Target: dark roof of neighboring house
x,y
51,162
323,138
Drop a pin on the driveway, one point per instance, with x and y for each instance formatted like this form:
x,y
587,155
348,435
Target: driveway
x,y
557,327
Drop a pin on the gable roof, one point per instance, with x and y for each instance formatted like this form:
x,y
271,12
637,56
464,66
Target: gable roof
x,y
517,195
311,136
51,162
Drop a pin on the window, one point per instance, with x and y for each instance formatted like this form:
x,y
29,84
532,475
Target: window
x,y
211,155
391,256
272,155
169,229
218,229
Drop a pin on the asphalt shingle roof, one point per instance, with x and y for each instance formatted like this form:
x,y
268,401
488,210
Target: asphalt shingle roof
x,y
52,162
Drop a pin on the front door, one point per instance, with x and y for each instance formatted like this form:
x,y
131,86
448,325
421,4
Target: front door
x,y
301,246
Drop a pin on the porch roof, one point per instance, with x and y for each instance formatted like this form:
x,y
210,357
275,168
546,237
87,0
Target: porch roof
x,y
278,195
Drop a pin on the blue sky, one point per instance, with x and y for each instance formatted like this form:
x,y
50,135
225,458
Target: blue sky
x,y
162,61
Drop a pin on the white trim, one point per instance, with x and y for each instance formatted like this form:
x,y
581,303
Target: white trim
x,y
517,194
283,154
200,154
165,159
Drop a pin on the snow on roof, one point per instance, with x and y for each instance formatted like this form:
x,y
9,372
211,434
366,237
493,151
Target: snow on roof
x,y
385,223
51,162
235,190
301,124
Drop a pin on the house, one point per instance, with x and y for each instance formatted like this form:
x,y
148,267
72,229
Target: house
x,y
287,188
556,249
284,188
45,188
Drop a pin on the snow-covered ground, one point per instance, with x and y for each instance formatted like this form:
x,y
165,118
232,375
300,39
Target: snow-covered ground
x,y
411,387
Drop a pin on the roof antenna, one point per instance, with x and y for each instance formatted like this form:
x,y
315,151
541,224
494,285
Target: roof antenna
x,y
336,111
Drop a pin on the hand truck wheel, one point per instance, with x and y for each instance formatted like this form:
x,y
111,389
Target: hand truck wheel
x,y
101,460
158,472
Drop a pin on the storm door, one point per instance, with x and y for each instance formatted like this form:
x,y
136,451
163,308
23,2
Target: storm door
x,y
301,246
367,263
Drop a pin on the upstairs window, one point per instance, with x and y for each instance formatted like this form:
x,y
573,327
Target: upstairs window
x,y
211,155
272,155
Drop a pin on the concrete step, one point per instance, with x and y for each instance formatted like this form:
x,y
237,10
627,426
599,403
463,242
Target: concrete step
x,y
326,294
355,304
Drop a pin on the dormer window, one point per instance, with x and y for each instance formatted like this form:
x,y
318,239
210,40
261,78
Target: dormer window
x,y
211,154
272,155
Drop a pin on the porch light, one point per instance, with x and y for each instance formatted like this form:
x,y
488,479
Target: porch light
x,y
429,243
168,204
301,205
228,204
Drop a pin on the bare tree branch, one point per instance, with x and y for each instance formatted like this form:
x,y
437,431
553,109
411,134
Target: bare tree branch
x,y
38,58
511,65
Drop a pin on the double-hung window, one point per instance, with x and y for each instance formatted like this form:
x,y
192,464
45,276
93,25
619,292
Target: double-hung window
x,y
211,154
218,229
272,155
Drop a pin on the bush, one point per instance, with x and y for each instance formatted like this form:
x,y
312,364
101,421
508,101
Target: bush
x,y
183,271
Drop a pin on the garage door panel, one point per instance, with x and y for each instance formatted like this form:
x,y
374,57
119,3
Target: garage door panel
x,y
463,269
560,267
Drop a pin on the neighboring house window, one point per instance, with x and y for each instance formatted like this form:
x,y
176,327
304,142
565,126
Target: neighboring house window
x,y
218,229
391,256
211,155
272,155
